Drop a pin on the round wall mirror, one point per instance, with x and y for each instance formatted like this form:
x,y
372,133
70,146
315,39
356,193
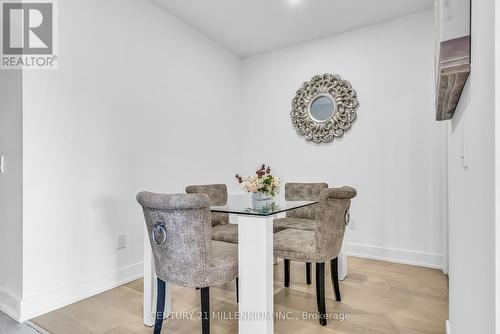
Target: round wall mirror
x,y
322,108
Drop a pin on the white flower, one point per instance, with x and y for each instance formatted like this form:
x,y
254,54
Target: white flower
x,y
266,183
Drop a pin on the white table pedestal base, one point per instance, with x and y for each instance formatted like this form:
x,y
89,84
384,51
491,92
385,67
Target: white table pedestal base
x,y
255,254
343,265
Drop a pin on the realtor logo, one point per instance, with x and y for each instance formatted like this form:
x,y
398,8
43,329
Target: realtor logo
x,y
28,35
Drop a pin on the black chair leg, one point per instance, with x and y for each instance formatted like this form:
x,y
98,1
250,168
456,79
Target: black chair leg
x,y
334,268
237,290
205,310
308,273
160,306
320,292
287,273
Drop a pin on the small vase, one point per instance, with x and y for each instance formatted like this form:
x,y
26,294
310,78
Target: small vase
x,y
260,196
261,200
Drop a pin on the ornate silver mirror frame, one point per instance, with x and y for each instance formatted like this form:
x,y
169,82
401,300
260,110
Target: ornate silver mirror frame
x,y
345,104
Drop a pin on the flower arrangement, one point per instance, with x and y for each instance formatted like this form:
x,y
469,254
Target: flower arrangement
x,y
262,182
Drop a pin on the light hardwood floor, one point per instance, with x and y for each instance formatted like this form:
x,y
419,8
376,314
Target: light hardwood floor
x,y
378,297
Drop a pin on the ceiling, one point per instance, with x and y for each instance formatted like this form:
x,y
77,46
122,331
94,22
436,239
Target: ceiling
x,y
249,27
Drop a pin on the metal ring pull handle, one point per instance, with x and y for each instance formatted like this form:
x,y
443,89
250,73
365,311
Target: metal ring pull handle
x,y
159,230
347,216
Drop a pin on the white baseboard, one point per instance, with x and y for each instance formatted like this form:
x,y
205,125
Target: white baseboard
x,y
415,258
49,301
448,328
9,304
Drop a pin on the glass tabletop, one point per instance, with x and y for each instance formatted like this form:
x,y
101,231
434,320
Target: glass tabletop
x,y
243,205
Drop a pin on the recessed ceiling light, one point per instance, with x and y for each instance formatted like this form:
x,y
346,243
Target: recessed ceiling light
x,y
294,2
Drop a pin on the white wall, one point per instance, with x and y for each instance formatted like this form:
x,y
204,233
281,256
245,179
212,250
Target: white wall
x,y
140,102
11,191
395,153
472,189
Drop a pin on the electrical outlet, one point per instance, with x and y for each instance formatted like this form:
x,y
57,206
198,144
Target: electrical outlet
x,y
352,224
121,241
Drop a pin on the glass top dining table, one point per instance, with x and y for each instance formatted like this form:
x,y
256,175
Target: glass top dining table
x,y
255,262
243,205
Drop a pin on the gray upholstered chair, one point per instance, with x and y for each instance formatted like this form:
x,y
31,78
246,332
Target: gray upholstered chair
x,y
221,229
320,245
302,218
179,228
